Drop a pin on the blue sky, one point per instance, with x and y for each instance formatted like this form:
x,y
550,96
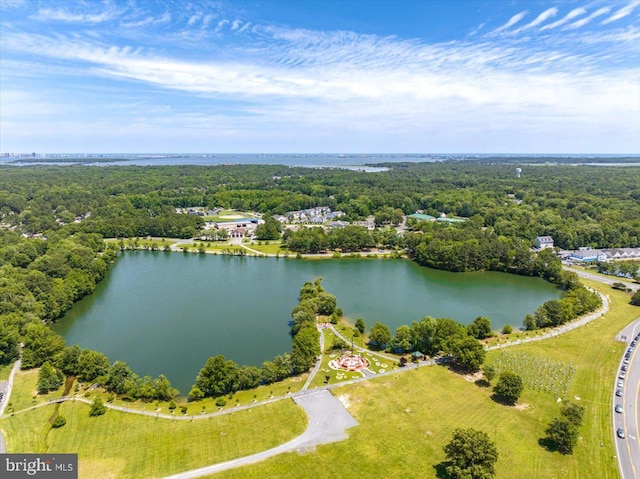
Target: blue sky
x,y
268,76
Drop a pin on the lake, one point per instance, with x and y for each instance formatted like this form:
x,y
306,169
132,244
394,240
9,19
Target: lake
x,y
167,312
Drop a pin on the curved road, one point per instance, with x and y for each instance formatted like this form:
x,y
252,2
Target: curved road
x,y
601,278
5,389
328,420
628,449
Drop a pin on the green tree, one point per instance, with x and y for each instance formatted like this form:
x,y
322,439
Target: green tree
x,y
402,341
67,360
480,328
635,299
306,349
58,421
92,365
380,335
97,408
509,386
40,344
470,455
49,378
9,342
270,230
360,325
117,377
562,434
489,371
218,377
469,354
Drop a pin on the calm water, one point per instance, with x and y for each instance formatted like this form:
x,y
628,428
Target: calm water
x,y
168,312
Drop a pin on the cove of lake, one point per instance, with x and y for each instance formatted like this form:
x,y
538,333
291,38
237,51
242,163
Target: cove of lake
x,y
166,313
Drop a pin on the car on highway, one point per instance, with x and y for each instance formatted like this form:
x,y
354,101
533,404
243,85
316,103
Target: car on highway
x,y
620,433
619,392
618,408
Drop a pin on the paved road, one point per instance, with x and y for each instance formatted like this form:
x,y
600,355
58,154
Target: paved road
x,y
328,421
628,449
601,279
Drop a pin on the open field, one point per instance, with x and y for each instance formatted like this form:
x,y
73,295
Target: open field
x,y
268,247
131,446
406,419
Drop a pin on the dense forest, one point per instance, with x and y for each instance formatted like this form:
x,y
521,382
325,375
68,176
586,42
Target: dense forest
x,y
577,205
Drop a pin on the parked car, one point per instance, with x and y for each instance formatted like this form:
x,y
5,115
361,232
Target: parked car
x,y
624,367
620,384
622,375
619,392
620,433
619,408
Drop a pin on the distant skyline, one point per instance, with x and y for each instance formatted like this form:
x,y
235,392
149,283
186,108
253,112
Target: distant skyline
x,y
402,76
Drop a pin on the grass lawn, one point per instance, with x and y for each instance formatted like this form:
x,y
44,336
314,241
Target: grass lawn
x,y
406,419
5,371
24,393
120,445
268,247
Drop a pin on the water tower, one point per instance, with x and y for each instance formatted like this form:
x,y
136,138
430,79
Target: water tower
x,y
518,171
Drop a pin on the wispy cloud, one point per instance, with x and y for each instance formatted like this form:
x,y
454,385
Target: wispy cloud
x,y
583,21
543,17
512,21
576,12
623,12
48,15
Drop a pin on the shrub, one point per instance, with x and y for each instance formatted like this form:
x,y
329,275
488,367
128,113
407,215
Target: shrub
x,y
97,408
507,329
58,421
220,402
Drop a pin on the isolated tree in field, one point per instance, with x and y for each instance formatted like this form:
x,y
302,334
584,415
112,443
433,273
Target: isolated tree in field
x,y
470,455
480,328
360,325
509,386
380,335
563,431
97,408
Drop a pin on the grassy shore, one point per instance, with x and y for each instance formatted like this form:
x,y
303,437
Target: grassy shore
x,y
405,419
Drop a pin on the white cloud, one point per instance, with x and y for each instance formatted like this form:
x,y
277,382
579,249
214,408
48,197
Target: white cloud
x,y
583,21
544,16
48,15
576,12
623,12
512,21
236,24
194,18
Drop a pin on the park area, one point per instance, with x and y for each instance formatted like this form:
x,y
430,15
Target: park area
x,y
405,418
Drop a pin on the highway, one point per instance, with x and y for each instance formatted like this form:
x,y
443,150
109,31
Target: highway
x,y
628,449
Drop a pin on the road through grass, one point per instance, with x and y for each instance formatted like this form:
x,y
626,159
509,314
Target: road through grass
x,y
406,419
120,445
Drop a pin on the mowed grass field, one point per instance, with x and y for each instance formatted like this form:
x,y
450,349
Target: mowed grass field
x,y
406,419
121,445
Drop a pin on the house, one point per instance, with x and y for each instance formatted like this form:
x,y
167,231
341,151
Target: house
x,y
337,224
587,255
544,242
